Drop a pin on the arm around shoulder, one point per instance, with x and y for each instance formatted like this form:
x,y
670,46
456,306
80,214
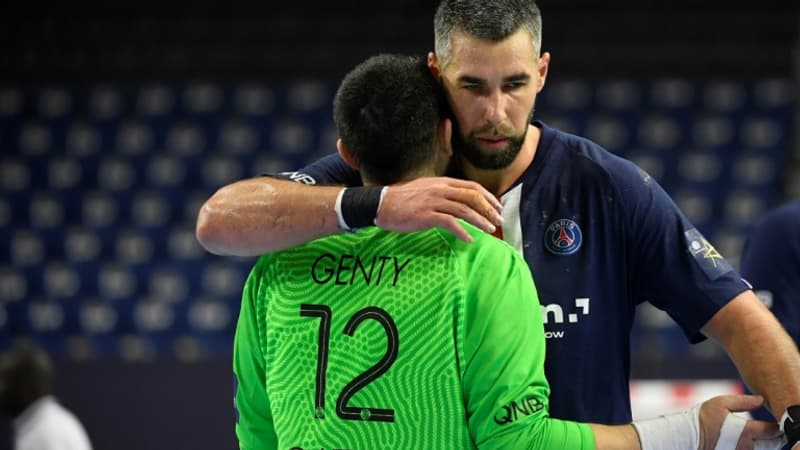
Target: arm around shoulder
x,y
264,215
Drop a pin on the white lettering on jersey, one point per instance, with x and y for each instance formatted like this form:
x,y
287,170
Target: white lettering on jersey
x,y
554,313
300,177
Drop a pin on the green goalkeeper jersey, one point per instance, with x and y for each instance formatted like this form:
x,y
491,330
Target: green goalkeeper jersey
x,y
382,340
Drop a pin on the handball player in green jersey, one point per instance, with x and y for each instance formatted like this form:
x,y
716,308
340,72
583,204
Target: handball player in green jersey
x,y
384,340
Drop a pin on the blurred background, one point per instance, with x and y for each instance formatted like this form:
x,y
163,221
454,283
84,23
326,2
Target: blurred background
x,y
117,122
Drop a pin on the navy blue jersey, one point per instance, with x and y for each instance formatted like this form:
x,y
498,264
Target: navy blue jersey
x,y
771,262
600,237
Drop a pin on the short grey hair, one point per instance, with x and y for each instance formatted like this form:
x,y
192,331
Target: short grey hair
x,y
492,20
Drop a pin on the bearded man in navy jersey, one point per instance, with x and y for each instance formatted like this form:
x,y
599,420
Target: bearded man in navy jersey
x,y
599,234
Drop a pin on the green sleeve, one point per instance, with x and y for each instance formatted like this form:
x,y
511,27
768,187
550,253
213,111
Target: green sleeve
x,y
506,391
254,427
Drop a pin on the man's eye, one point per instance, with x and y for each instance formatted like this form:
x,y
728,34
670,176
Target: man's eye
x,y
514,85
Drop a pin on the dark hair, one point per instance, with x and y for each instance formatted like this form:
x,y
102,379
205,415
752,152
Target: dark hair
x,y
492,20
26,375
387,111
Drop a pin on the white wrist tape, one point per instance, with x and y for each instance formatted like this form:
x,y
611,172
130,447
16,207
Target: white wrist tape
x,y
680,431
338,208
380,202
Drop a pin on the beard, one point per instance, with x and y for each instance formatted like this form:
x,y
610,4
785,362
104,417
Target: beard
x,y
495,159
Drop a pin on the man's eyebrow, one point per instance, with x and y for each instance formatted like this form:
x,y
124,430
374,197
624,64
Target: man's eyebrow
x,y
468,79
522,76
517,77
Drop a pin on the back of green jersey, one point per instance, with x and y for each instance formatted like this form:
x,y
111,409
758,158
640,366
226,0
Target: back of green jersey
x,y
360,348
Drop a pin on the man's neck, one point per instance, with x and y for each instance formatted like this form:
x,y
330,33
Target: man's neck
x,y
499,181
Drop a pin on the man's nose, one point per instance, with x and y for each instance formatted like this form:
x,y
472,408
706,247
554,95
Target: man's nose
x,y
495,108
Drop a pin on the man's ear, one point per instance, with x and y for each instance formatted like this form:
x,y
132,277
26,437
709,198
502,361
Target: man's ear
x,y
433,65
445,137
346,155
544,64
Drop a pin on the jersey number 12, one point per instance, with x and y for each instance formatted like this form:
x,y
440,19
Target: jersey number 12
x,y
343,410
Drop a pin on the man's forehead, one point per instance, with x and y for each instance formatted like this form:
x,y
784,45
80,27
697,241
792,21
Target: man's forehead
x,y
476,57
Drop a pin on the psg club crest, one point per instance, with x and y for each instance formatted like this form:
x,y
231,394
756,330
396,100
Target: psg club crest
x,y
563,237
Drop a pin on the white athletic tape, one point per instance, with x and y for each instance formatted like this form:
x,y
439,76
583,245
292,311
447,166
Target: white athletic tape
x,y
771,444
680,431
732,429
730,432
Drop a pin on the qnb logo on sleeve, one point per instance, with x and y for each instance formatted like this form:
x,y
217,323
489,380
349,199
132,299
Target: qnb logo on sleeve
x,y
299,177
554,314
512,411
707,257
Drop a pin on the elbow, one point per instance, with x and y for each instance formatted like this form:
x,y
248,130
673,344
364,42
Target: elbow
x,y
208,230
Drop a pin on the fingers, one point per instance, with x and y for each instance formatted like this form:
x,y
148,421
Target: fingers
x,y
467,213
437,202
761,435
476,187
738,403
450,224
488,207
759,429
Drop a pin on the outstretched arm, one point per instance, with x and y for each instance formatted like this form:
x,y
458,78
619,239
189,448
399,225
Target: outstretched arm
x,y
263,215
506,391
765,355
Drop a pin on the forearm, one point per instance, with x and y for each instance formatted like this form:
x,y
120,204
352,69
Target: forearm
x,y
264,215
765,355
555,434
616,437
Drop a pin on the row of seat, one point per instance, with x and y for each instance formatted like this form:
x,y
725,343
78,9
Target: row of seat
x,y
114,100
100,186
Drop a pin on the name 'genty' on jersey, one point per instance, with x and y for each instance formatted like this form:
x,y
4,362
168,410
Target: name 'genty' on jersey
x,y
600,237
353,269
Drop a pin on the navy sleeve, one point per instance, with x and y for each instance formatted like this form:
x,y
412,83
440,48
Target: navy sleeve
x,y
676,268
329,170
770,261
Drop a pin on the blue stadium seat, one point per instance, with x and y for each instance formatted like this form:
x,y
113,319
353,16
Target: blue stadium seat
x,y
619,95
15,178
154,100
610,131
84,140
60,282
12,101
724,96
54,102
168,284
658,131
117,283
14,286
218,171
106,102
713,131
671,94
